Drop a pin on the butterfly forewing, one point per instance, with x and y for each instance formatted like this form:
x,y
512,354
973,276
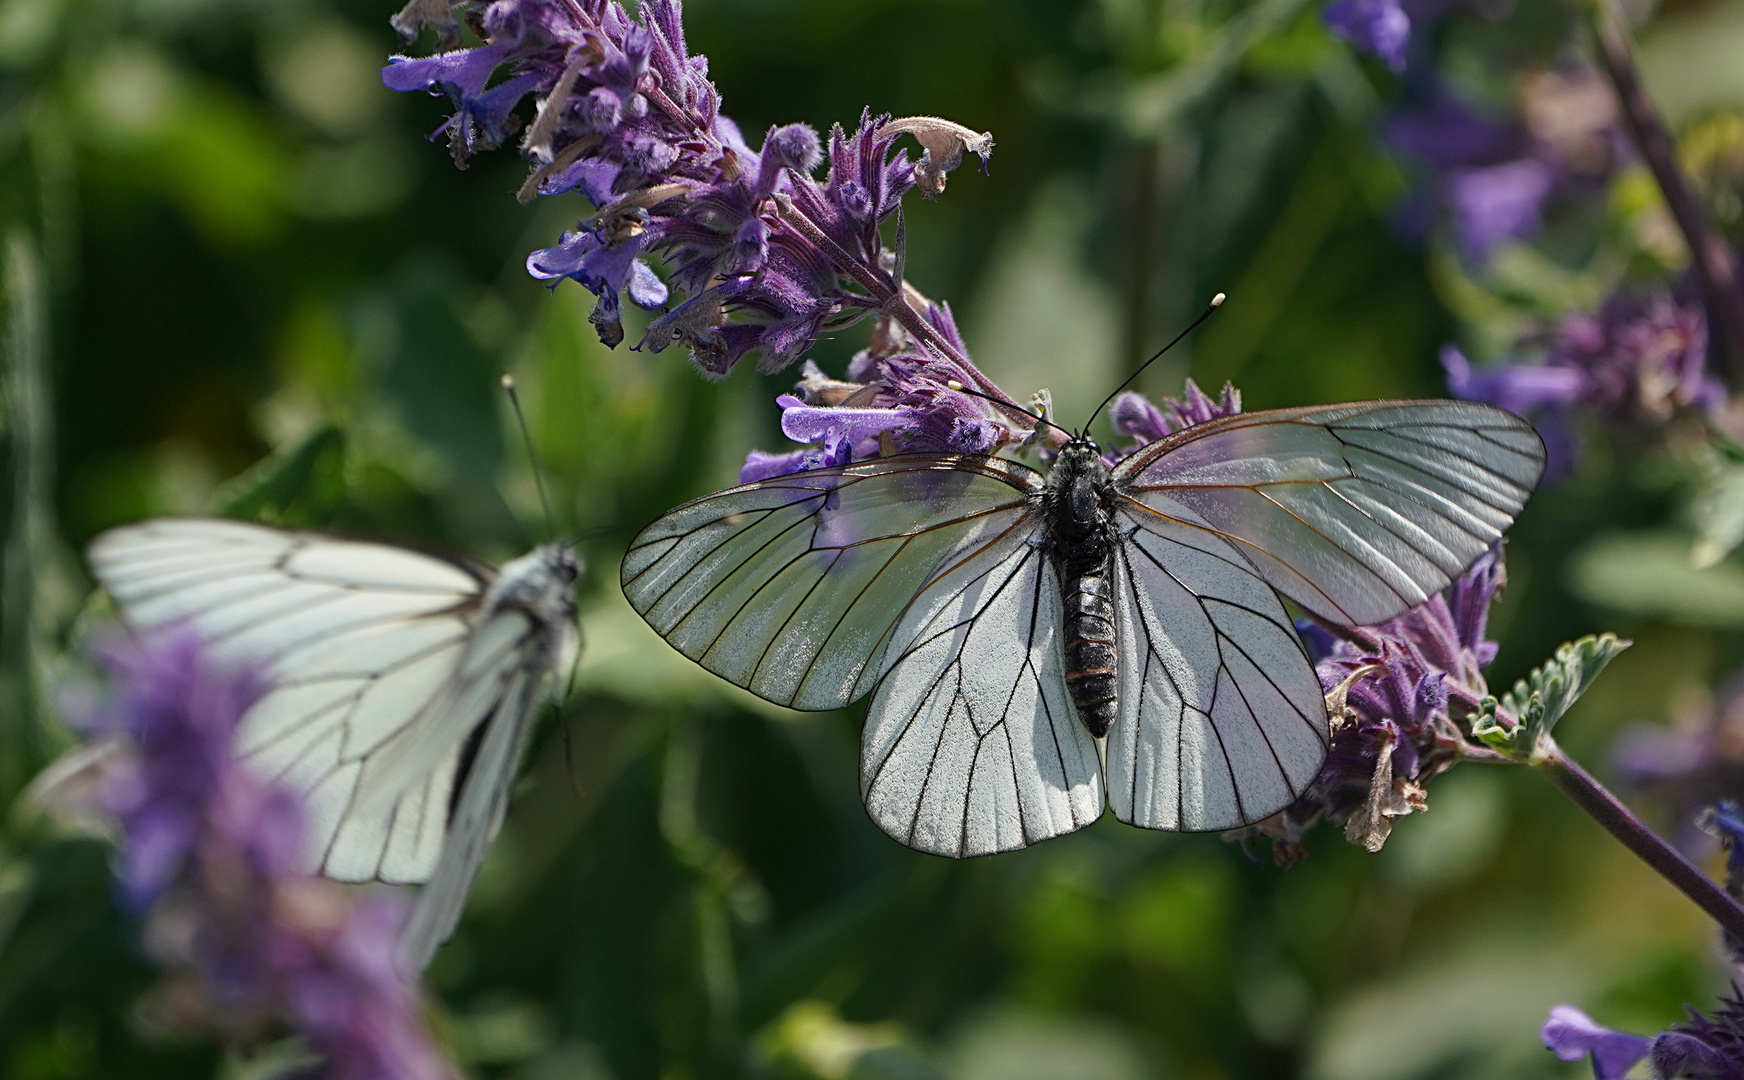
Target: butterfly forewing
x,y
1221,721
971,744
1356,512
791,587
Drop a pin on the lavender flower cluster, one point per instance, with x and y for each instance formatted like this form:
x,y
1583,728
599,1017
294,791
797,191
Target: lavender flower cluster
x,y
212,862
1703,1047
1496,176
767,256
1639,362
1400,695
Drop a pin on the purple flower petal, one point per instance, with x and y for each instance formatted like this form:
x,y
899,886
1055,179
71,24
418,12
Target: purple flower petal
x,y
805,423
1573,1035
1519,388
1377,26
1498,202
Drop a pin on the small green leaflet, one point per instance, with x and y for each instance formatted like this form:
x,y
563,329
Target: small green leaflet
x,y
1538,701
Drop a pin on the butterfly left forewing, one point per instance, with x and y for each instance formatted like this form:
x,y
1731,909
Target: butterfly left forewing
x,y
368,651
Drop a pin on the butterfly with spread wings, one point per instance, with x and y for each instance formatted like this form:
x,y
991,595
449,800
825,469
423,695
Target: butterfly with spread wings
x,y
1039,646
400,685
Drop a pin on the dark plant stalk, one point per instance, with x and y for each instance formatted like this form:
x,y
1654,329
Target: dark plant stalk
x,y
1621,822
1711,256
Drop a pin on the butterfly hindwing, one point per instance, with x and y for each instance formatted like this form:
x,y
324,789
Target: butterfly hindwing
x,y
1356,512
792,587
972,744
1221,721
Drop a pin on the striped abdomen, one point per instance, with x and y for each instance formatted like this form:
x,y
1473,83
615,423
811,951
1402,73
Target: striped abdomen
x,y
1089,641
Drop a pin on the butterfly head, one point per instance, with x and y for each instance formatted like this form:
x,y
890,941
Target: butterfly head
x,y
541,582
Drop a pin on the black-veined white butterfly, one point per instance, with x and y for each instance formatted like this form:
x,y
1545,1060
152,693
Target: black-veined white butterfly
x,y
1039,646
401,685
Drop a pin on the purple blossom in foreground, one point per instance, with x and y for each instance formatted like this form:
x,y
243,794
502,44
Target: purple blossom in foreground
x,y
1378,26
1399,694
1700,1048
766,256
211,860
1636,364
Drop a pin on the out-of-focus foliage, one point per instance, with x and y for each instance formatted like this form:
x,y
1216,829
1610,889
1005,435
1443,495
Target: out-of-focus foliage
x,y
237,280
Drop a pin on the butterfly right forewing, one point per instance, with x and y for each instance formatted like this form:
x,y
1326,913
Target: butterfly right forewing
x,y
793,587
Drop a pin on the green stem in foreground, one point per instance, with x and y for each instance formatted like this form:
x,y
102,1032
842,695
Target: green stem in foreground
x,y
1621,822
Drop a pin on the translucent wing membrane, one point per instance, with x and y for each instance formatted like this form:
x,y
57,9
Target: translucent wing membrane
x,y
1221,721
360,644
971,743
1356,512
792,587
477,816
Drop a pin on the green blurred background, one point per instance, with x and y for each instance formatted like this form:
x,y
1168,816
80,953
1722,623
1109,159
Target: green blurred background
x,y
237,279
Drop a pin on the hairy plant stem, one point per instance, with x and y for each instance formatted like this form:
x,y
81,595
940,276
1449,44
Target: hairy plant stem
x,y
1620,822
1709,253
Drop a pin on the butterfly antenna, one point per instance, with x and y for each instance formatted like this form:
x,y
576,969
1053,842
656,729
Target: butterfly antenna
x,y
1037,417
532,454
1216,302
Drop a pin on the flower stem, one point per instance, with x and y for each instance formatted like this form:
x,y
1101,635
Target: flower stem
x,y
1620,822
1709,253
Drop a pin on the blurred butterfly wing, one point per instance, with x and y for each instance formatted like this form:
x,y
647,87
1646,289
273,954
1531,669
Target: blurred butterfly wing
x,y
972,744
476,818
358,643
1356,512
792,587
1221,721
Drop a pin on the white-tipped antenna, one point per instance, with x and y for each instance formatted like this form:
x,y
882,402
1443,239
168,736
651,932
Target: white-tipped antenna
x,y
532,454
1216,302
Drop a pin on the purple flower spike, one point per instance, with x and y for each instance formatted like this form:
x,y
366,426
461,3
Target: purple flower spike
x,y
1136,418
1399,694
764,255
1377,26
212,861
1573,1035
1637,364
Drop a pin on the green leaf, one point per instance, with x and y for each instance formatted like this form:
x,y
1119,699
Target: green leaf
x,y
1651,574
290,487
1538,701
1719,513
